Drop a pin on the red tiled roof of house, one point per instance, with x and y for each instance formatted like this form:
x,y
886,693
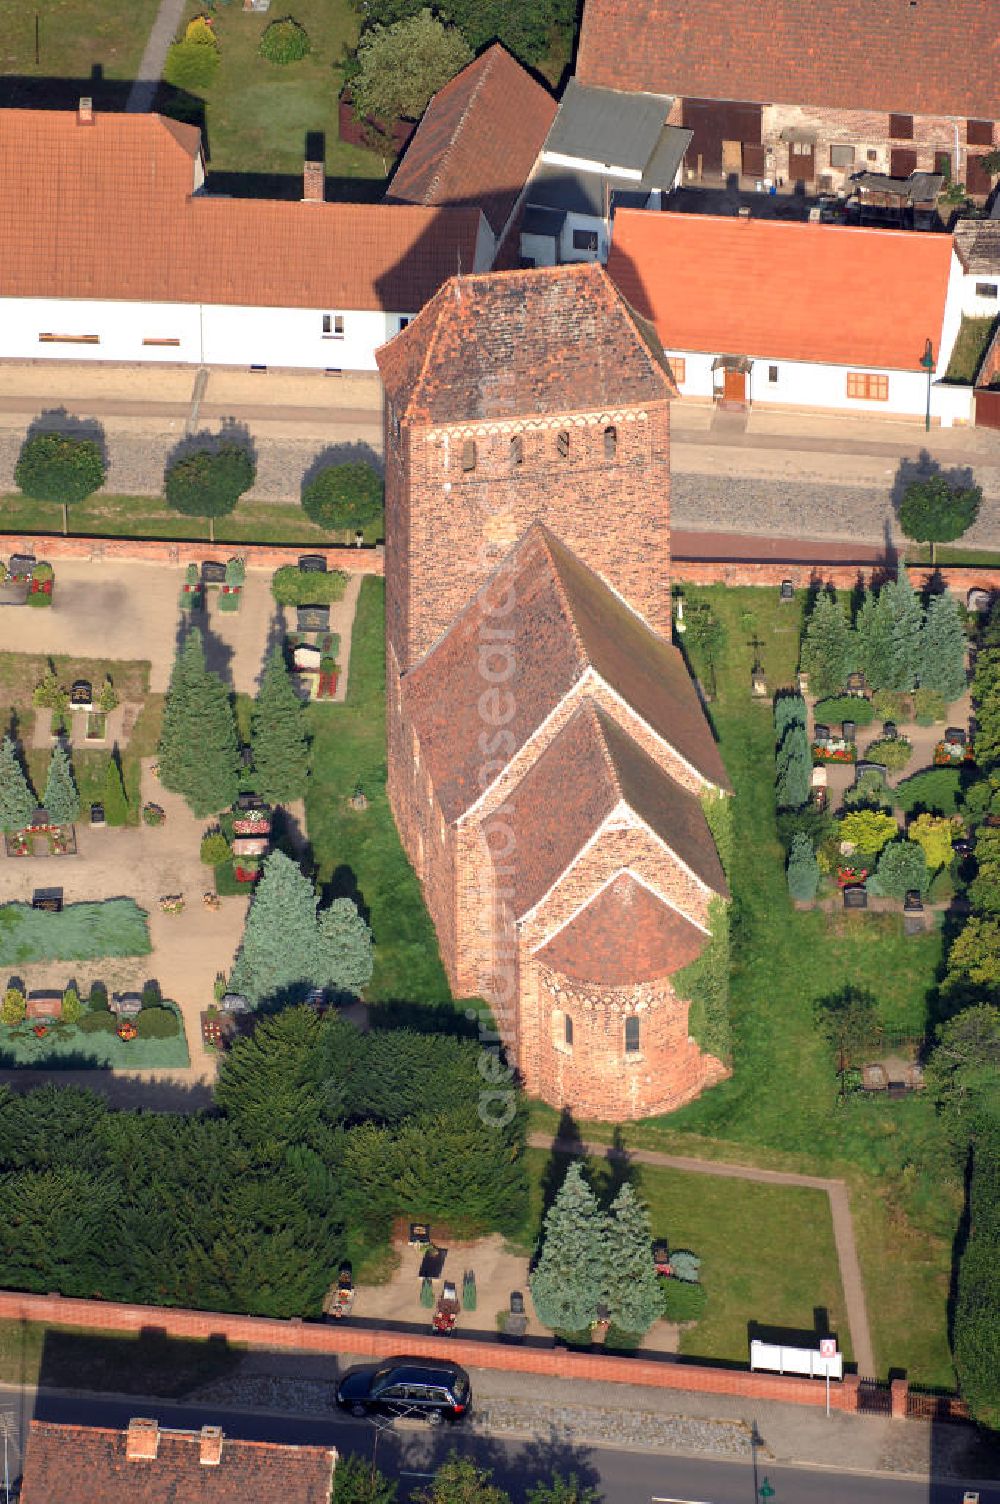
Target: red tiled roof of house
x,y
564,620
478,139
107,210
792,291
552,340
65,1462
921,57
588,769
660,940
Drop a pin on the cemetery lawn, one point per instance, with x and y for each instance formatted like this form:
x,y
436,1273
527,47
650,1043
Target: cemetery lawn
x,y
67,1048
106,515
358,852
258,114
74,37
738,1229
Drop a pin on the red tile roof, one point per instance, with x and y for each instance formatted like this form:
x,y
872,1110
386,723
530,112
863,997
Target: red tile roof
x,y
107,211
565,620
660,940
64,1462
553,340
478,139
763,287
588,769
919,57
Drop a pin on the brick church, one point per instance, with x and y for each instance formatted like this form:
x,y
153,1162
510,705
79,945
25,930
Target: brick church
x,y
549,758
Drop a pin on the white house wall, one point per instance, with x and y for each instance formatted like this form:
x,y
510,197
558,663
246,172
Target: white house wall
x,y
801,384
206,334
973,304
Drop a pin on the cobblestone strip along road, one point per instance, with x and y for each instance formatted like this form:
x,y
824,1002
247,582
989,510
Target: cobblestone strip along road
x,y
840,1211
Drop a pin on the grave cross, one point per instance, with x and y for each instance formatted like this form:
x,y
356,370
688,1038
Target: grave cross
x,y
756,643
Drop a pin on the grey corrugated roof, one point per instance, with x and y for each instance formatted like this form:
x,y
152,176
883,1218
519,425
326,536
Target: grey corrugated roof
x,y
977,242
604,125
575,191
661,169
917,188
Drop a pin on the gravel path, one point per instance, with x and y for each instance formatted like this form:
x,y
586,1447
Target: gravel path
x,y
164,28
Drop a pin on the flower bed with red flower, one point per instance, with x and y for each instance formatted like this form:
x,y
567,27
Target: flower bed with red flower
x,y
834,752
950,754
848,876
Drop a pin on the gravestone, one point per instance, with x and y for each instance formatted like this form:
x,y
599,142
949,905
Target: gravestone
x,y
13,592
39,818
856,684
821,733
213,572
97,814
246,757
312,618
913,903
955,736
856,896
978,600
235,1002
420,1234
312,564
961,847
889,731
81,695
21,566
786,593
126,1004
863,766
849,730
306,657
250,801
758,684
50,900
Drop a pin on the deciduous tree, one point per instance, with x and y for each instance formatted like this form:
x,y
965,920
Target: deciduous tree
x,y
343,496
208,482
902,868
963,1072
935,510
60,467
400,67
933,834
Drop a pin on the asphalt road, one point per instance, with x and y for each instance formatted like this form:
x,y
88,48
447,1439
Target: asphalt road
x,y
622,1477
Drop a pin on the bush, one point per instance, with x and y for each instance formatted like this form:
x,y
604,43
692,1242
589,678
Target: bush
x,y
893,752
929,705
98,1000
868,829
192,66
214,849
803,870
153,814
426,1294
98,1021
284,41
59,467
869,792
685,1266
82,932
157,1023
936,789
14,1007
845,708
291,586
809,820
683,1302
901,867
890,704
71,1006
933,834
343,496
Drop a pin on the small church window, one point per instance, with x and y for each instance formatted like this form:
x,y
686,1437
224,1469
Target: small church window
x,y
469,455
610,442
568,1031
517,450
632,1036
562,443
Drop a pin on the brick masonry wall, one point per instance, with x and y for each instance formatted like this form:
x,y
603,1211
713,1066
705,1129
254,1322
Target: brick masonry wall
x,y
379,1342
958,578
258,556
865,131
448,528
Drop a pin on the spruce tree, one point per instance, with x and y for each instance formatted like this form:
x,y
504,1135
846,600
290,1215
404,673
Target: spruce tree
x,y
793,769
942,656
115,802
16,798
828,647
279,957
62,801
906,616
632,1289
199,755
875,648
568,1283
277,735
803,869
345,948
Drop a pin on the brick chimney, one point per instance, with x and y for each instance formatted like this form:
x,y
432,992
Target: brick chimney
x,y
314,183
85,112
210,1453
142,1441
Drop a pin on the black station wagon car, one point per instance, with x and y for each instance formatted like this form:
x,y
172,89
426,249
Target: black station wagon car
x,y
407,1387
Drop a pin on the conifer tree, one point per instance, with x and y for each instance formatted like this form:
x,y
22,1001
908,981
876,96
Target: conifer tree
x,y
345,948
115,802
568,1283
279,955
62,801
942,656
803,869
277,735
199,756
631,1289
793,769
16,798
875,649
906,616
828,646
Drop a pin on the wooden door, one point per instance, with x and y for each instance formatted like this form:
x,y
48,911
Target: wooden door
x,y
734,386
754,160
977,179
902,161
801,161
732,158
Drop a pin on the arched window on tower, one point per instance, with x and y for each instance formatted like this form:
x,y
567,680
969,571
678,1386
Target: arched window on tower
x,y
632,1036
469,455
517,450
568,1031
610,442
562,443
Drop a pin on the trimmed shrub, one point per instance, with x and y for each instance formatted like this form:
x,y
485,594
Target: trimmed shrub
x,y
284,41
869,792
929,705
803,870
682,1301
933,834
892,752
890,704
98,1021
426,1294
291,586
192,66
14,1007
59,467
938,790
214,849
71,1006
902,866
157,1023
82,932
685,1266
868,829
845,708
343,496
98,1000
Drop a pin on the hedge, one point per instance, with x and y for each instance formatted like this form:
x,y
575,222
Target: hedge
x,y
937,790
844,708
81,932
292,586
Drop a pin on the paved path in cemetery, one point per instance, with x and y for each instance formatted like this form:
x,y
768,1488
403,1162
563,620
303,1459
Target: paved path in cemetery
x,y
835,1190
164,29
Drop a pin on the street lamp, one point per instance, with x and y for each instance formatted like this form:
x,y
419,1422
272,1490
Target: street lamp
x,y
927,361
766,1490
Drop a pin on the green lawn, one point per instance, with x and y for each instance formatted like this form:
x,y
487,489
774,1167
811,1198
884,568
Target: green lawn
x,y
970,346
358,852
744,1234
141,1363
111,516
74,38
67,1048
257,114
